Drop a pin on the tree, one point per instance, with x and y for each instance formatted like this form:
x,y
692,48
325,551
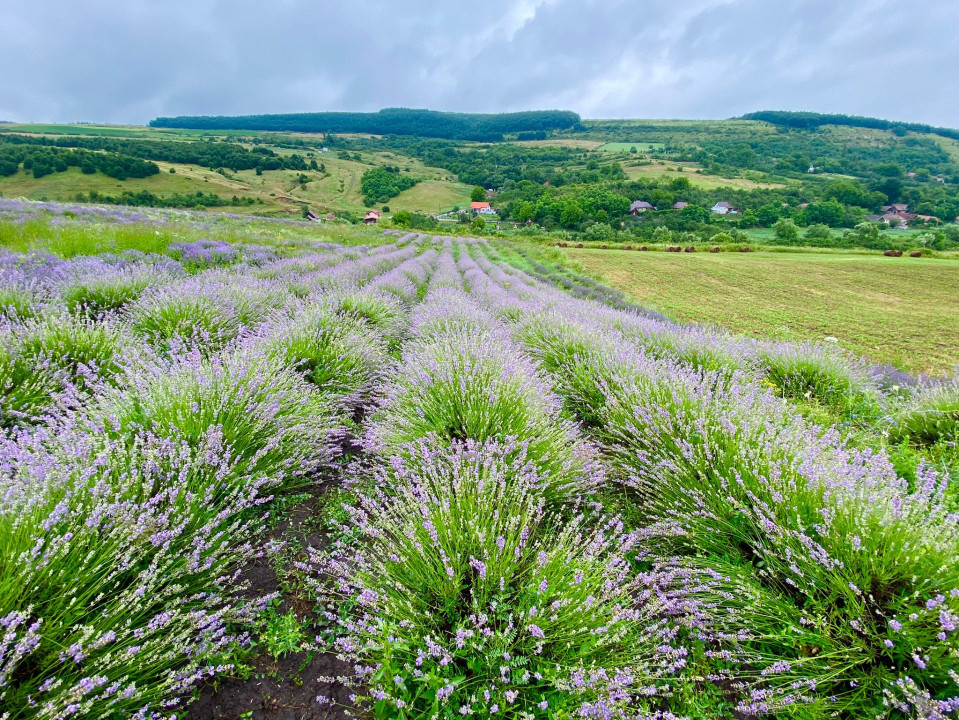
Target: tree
x,y
662,235
478,224
694,213
403,218
818,232
786,232
42,167
478,194
829,213
572,214
768,214
523,211
864,234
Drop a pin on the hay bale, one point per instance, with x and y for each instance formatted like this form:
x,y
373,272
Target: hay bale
x,y
644,248
628,247
579,245
604,247
744,249
690,248
915,253
714,249
893,253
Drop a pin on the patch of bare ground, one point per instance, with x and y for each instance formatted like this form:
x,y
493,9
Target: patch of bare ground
x,y
285,687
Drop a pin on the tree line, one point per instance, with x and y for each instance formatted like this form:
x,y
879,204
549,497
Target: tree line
x,y
389,121
382,183
43,161
812,120
204,153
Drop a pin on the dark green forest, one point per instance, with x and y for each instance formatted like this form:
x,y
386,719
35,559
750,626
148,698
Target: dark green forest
x,y
389,121
811,120
209,154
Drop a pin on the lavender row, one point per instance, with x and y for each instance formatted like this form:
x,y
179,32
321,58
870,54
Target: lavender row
x,y
127,513
723,473
484,580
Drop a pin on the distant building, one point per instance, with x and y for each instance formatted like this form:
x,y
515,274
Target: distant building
x,y
640,206
372,217
483,208
310,215
723,208
680,205
331,216
900,219
895,208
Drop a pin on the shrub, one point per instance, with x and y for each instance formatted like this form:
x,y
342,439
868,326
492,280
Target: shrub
x,y
725,472
470,599
379,310
340,355
17,304
930,416
113,563
269,418
205,312
103,289
806,370
26,393
468,386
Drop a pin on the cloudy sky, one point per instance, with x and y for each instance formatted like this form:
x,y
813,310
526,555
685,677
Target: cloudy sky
x,y
127,61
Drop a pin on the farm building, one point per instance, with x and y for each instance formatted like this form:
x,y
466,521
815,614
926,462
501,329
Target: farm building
x,y
482,207
640,206
680,205
372,217
723,208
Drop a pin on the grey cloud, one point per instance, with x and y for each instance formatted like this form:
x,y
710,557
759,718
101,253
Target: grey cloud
x,y
122,61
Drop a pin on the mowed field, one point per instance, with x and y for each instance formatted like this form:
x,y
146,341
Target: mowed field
x,y
669,170
897,310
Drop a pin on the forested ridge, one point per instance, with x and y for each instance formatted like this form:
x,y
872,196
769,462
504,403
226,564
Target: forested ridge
x,y
811,120
389,121
206,154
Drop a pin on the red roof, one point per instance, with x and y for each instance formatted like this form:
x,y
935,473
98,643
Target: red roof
x,y
373,212
479,205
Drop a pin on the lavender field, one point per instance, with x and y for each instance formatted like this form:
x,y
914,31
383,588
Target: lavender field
x,y
526,497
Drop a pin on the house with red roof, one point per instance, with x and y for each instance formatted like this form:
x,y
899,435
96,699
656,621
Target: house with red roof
x,y
483,208
372,217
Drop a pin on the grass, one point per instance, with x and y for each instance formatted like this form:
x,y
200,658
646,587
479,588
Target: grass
x,y
627,146
895,310
658,170
336,188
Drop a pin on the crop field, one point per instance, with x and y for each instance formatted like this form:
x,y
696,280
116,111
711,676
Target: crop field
x,y
894,310
251,469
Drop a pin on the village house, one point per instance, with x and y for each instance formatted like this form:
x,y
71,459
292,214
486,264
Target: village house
x,y
310,215
723,208
372,217
899,219
680,205
640,206
482,208
895,208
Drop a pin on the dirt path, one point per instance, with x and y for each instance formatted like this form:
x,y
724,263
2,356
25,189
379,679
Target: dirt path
x,y
287,687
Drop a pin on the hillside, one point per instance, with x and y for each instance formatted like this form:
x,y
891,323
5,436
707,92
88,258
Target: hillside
x,y
820,176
